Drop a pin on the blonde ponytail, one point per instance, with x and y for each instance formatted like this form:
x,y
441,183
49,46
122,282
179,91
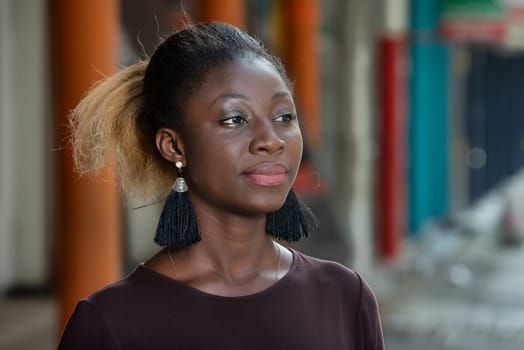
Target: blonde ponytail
x,y
105,125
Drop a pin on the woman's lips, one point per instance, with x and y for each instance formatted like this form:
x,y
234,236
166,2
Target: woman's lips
x,y
267,174
267,180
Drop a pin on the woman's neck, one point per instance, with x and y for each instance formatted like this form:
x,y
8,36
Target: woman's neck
x,y
232,245
235,256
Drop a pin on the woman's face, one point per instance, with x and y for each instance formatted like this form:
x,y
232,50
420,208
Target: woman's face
x,y
241,139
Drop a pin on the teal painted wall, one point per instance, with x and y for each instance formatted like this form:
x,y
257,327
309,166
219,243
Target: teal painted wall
x,y
428,122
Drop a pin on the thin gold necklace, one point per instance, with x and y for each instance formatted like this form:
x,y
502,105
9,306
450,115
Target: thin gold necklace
x,y
277,274
279,256
172,263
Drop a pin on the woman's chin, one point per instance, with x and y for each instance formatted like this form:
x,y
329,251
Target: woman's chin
x,y
269,207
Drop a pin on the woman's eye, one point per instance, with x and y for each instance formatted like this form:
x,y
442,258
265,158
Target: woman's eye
x,y
285,117
236,119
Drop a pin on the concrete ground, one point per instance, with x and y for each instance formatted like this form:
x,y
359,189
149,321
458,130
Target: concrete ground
x,y
466,294
452,292
27,323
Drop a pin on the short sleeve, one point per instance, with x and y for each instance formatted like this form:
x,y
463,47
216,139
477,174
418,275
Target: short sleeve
x,y
86,329
371,336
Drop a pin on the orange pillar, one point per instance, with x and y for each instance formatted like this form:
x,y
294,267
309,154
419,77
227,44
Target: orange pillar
x,y
84,35
301,54
229,11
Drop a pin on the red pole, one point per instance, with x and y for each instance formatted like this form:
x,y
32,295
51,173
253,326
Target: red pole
x,y
89,243
391,175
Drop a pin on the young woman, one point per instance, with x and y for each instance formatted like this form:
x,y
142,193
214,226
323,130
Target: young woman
x,y
213,112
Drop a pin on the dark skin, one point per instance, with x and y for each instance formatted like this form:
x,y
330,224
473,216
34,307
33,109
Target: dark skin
x,y
241,146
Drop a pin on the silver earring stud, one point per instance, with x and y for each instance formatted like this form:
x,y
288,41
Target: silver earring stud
x,y
180,183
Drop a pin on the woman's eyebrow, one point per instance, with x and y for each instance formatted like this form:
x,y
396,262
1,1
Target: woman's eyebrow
x,y
229,95
281,94
235,95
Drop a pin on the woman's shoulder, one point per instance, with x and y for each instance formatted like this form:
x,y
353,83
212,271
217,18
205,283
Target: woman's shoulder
x,y
334,279
326,268
312,271
102,314
140,283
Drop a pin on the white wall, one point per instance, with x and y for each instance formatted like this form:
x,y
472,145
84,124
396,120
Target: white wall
x,y
356,156
395,16
24,124
363,23
6,128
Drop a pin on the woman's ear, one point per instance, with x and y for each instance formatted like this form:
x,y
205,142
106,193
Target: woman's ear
x,y
170,145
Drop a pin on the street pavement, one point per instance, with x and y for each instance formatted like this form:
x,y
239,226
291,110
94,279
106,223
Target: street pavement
x,y
455,292
27,323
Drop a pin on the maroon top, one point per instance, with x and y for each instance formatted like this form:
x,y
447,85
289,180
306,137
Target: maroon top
x,y
317,305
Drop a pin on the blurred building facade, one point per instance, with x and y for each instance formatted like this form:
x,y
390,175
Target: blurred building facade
x,y
411,112
26,165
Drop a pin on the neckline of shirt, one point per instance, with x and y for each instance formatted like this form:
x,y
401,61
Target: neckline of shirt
x,y
144,269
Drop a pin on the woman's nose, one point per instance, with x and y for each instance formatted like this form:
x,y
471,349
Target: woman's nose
x,y
265,139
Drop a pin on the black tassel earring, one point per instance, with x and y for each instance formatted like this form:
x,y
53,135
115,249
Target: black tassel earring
x,y
292,221
177,225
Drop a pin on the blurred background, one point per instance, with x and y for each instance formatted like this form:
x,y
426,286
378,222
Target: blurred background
x,y
413,115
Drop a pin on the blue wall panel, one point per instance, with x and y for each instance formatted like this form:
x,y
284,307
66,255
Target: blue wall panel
x,y
428,126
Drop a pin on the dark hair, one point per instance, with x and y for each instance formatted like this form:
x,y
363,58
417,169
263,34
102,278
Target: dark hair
x,y
180,64
122,114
